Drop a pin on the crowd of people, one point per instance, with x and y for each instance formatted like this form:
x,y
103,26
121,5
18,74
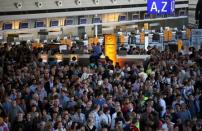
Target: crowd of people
x,y
162,93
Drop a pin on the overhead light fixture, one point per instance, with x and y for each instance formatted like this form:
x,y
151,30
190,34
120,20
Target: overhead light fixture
x,y
39,4
114,1
96,2
78,2
59,3
18,5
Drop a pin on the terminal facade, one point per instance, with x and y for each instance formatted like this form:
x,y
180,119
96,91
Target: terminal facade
x,y
78,16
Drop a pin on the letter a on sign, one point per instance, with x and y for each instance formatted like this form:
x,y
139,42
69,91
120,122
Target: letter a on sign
x,y
154,7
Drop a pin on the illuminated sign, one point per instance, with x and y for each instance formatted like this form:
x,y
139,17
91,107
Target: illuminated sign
x,y
122,18
110,47
69,22
82,21
7,26
96,20
24,25
160,6
39,24
54,23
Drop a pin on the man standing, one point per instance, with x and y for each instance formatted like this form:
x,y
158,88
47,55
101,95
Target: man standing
x,y
198,14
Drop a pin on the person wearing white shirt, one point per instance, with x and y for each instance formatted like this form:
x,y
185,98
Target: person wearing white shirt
x,y
118,109
168,125
85,74
162,103
105,118
142,74
60,127
96,117
33,86
78,116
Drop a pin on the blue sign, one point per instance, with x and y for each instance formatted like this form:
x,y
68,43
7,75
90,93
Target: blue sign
x,y
69,22
83,21
24,25
96,20
39,24
160,6
54,23
122,18
7,26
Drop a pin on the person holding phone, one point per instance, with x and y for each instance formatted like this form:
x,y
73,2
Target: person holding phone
x,y
198,14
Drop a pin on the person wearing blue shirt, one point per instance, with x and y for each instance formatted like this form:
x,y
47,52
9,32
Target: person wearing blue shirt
x,y
97,51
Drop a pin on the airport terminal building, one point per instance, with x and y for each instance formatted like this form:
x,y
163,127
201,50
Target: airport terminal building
x,y
83,16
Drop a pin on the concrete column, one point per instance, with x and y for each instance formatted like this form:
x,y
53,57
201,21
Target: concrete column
x,y
96,30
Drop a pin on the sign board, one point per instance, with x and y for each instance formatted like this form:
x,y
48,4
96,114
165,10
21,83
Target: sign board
x,y
96,20
82,21
62,47
110,47
160,6
24,25
69,22
54,23
7,26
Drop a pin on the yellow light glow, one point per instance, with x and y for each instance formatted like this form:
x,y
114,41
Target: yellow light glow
x,y
44,57
179,44
170,35
15,25
122,39
1,25
142,37
110,47
165,35
58,57
112,17
146,26
71,57
188,33
61,21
